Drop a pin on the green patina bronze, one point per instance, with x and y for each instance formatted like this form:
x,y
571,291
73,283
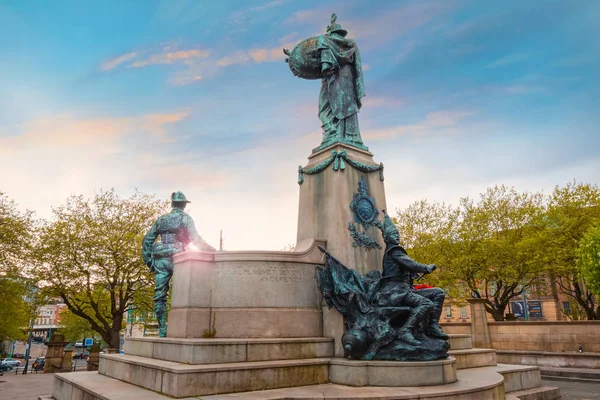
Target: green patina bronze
x,y
170,234
365,214
386,318
339,160
336,61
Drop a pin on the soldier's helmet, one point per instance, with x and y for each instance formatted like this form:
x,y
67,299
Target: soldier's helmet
x,y
179,197
337,28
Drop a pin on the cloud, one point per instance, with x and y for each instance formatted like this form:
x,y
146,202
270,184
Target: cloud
x,y
433,123
509,59
446,118
288,38
382,101
514,89
264,55
212,67
311,16
115,62
577,60
170,57
100,135
239,57
267,5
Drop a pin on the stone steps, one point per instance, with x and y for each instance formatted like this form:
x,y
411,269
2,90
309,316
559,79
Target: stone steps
x,y
518,377
571,374
519,382
474,358
183,380
472,385
293,368
460,341
219,351
540,393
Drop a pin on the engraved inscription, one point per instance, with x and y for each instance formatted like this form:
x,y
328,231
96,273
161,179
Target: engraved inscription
x,y
267,273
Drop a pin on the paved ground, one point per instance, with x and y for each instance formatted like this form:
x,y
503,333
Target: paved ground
x,y
25,387
576,390
30,386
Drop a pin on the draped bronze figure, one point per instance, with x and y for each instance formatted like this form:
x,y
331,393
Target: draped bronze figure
x,y
336,61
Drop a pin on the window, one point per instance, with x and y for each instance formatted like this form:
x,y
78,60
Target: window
x,y
463,312
567,307
448,311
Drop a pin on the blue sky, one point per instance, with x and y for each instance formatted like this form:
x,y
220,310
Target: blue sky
x,y
194,95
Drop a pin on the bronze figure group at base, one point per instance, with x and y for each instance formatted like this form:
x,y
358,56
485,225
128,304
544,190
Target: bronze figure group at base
x,y
386,318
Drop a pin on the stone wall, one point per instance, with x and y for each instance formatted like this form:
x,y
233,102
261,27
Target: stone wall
x,y
550,359
458,328
556,336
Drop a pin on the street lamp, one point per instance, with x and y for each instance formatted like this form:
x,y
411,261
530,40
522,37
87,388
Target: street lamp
x,y
30,337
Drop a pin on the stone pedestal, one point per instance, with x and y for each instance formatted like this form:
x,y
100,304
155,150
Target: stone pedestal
x,y
333,328
57,360
93,358
324,208
480,332
246,294
324,213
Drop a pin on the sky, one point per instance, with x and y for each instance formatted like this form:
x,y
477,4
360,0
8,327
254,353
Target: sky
x,y
193,95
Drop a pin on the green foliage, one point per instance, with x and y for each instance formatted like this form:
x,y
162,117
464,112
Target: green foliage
x,y
487,249
15,312
16,235
90,256
589,259
571,212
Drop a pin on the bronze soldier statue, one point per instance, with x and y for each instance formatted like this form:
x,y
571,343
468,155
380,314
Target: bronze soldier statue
x,y
177,231
399,271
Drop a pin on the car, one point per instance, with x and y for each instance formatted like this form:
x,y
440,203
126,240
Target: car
x,y
81,356
12,362
18,355
4,367
39,363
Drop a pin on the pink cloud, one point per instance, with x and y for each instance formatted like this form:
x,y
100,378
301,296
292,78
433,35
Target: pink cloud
x,y
170,57
433,123
115,62
99,134
383,101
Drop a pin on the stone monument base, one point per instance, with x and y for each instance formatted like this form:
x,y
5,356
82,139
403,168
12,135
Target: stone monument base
x,y
293,368
276,360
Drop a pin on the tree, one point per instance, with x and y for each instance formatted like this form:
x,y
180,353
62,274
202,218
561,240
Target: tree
x,y
426,230
89,255
74,328
15,310
588,259
572,210
489,249
515,257
16,235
